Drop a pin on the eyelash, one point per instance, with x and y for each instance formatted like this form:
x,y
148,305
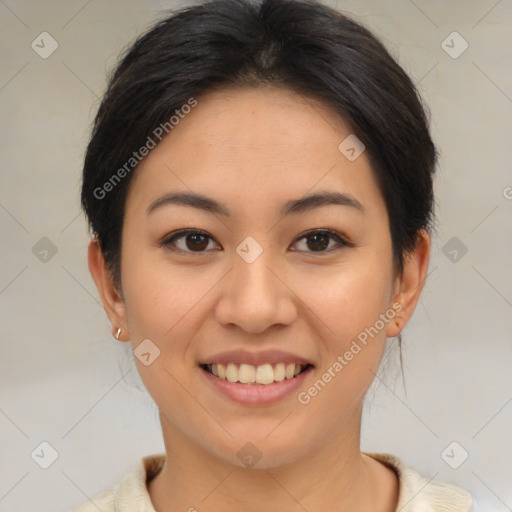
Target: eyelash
x,y
170,240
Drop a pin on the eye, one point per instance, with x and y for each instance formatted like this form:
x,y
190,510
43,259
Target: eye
x,y
187,240
319,240
196,241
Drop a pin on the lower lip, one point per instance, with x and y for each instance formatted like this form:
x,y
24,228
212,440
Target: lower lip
x,y
257,394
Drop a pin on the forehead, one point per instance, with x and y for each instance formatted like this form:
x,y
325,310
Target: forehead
x,y
251,145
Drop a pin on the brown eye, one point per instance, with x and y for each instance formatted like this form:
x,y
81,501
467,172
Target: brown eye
x,y
319,241
196,242
188,241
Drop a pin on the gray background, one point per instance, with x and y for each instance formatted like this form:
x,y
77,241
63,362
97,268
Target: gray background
x,y
61,373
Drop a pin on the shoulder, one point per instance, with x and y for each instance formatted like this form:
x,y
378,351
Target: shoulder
x,y
130,493
419,494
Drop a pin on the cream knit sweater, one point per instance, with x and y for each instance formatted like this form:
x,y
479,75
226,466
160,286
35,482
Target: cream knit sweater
x,y
417,494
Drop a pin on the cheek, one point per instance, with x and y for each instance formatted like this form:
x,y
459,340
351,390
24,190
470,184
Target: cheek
x,y
346,299
351,308
164,306
168,304
160,308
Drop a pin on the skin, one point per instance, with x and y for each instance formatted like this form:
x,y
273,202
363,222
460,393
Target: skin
x,y
311,303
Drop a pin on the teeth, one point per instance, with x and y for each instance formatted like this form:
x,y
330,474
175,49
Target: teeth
x,y
265,374
246,373
232,373
279,372
249,374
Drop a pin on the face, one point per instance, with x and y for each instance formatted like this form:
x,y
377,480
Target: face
x,y
258,277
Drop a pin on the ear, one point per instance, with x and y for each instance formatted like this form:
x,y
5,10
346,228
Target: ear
x,y
111,298
410,283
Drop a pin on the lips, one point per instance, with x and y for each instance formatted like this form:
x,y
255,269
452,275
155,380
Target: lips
x,y
255,394
264,367
255,358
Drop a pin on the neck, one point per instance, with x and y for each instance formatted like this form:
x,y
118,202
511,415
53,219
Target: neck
x,y
335,476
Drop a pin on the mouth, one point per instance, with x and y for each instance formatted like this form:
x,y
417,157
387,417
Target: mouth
x,y
261,375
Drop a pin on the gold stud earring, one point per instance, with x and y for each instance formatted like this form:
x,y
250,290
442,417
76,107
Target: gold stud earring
x,y
118,333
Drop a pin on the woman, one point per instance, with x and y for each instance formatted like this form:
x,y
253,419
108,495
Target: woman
x,y
259,187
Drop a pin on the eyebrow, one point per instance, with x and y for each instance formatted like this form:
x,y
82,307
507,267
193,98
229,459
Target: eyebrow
x,y
293,206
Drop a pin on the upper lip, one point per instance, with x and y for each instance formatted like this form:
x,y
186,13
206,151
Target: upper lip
x,y
242,356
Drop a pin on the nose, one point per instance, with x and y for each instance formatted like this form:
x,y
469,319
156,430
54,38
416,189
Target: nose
x,y
256,296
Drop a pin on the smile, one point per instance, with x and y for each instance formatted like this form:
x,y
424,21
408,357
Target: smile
x,y
253,385
250,374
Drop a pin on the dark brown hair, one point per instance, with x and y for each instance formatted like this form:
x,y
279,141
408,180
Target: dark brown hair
x,y
296,44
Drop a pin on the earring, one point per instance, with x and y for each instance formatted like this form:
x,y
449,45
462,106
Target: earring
x,y
118,333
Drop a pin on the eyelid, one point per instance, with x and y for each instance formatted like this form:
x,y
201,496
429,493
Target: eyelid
x,y
341,240
167,241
